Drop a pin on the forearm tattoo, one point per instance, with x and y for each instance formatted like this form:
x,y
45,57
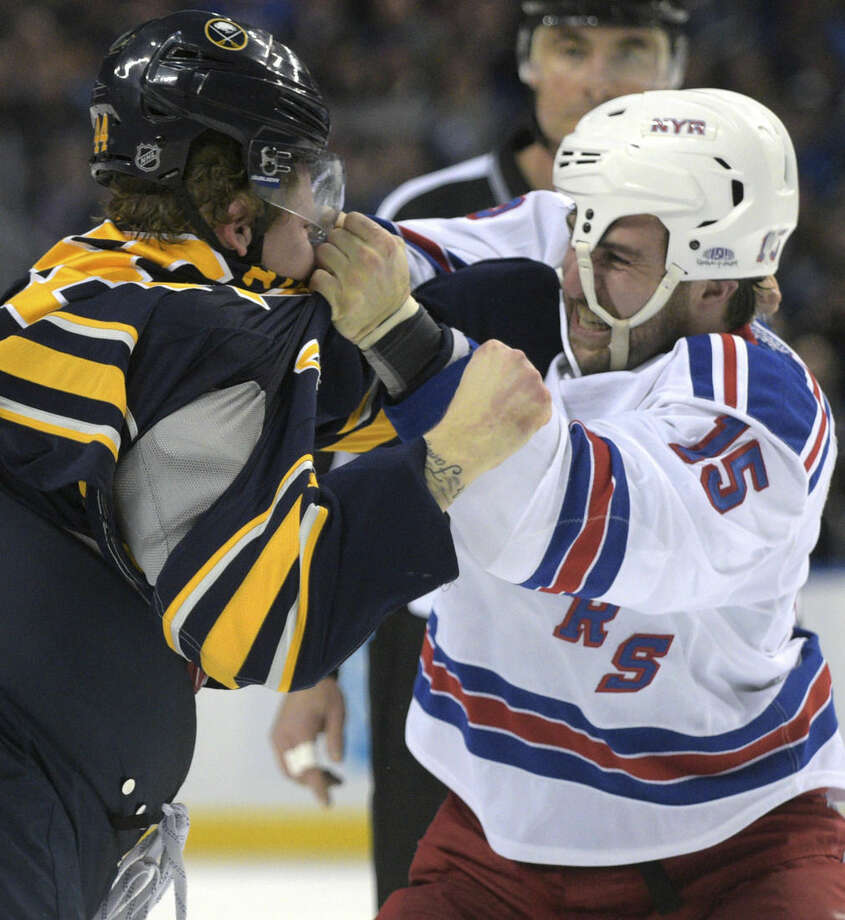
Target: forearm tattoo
x,y
444,479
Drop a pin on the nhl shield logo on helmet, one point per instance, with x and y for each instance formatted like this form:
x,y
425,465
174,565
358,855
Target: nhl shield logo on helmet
x,y
148,157
226,34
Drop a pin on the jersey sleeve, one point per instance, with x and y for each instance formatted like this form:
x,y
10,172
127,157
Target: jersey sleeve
x,y
709,491
278,587
517,301
532,226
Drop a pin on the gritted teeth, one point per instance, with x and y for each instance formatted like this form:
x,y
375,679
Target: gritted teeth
x,y
587,318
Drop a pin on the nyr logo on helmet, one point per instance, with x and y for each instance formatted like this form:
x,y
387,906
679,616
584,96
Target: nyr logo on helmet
x,y
226,34
678,126
720,256
148,157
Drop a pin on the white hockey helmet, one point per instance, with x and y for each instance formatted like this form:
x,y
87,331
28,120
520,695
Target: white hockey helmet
x,y
715,167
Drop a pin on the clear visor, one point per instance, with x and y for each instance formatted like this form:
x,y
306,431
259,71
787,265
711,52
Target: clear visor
x,y
309,185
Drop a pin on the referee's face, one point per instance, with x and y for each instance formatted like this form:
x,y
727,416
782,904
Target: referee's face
x,y
573,69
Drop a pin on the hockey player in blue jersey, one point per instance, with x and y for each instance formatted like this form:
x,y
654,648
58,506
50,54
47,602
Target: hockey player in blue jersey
x,y
165,379
615,688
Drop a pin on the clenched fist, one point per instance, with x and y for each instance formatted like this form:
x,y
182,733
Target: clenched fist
x,y
500,402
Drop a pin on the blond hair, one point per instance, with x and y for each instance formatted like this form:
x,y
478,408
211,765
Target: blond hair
x,y
214,177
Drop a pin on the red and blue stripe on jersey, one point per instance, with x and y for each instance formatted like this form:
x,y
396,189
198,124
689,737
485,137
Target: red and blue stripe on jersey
x,y
588,544
443,261
550,737
764,380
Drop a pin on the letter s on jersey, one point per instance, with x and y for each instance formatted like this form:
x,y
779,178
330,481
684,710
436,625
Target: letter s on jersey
x,y
636,656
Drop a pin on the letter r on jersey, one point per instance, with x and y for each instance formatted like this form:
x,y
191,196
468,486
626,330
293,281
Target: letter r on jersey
x,y
585,620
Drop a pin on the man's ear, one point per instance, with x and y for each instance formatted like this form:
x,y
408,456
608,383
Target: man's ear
x,y
236,233
710,301
718,292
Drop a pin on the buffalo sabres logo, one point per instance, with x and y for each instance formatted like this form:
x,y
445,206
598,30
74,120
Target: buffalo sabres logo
x,y
226,34
308,358
148,157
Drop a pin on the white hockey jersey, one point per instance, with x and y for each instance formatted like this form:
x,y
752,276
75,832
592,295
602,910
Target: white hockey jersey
x,y
616,676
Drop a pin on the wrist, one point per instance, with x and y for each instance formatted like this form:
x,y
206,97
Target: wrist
x,y
447,474
405,312
401,353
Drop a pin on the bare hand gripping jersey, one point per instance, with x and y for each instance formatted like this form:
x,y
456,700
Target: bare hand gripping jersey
x,y
616,676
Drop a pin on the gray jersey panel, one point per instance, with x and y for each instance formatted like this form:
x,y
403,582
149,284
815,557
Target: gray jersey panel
x,y
181,466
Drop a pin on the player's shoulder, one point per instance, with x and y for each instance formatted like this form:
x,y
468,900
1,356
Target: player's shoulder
x,y
443,190
756,375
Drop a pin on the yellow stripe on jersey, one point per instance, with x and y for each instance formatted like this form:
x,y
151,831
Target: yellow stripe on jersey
x,y
73,261
66,250
378,432
105,231
62,372
257,299
234,633
355,418
306,555
85,437
170,255
41,296
181,605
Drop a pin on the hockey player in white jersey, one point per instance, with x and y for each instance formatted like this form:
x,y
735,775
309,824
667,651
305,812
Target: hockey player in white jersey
x,y
615,688
571,55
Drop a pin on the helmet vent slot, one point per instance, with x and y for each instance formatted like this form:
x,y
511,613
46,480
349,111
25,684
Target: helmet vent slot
x,y
738,191
183,53
721,162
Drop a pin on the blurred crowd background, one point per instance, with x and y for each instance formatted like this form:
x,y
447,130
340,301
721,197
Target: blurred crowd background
x,y
414,85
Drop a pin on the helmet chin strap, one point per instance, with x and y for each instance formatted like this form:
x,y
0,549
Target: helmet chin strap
x,y
620,329
205,232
